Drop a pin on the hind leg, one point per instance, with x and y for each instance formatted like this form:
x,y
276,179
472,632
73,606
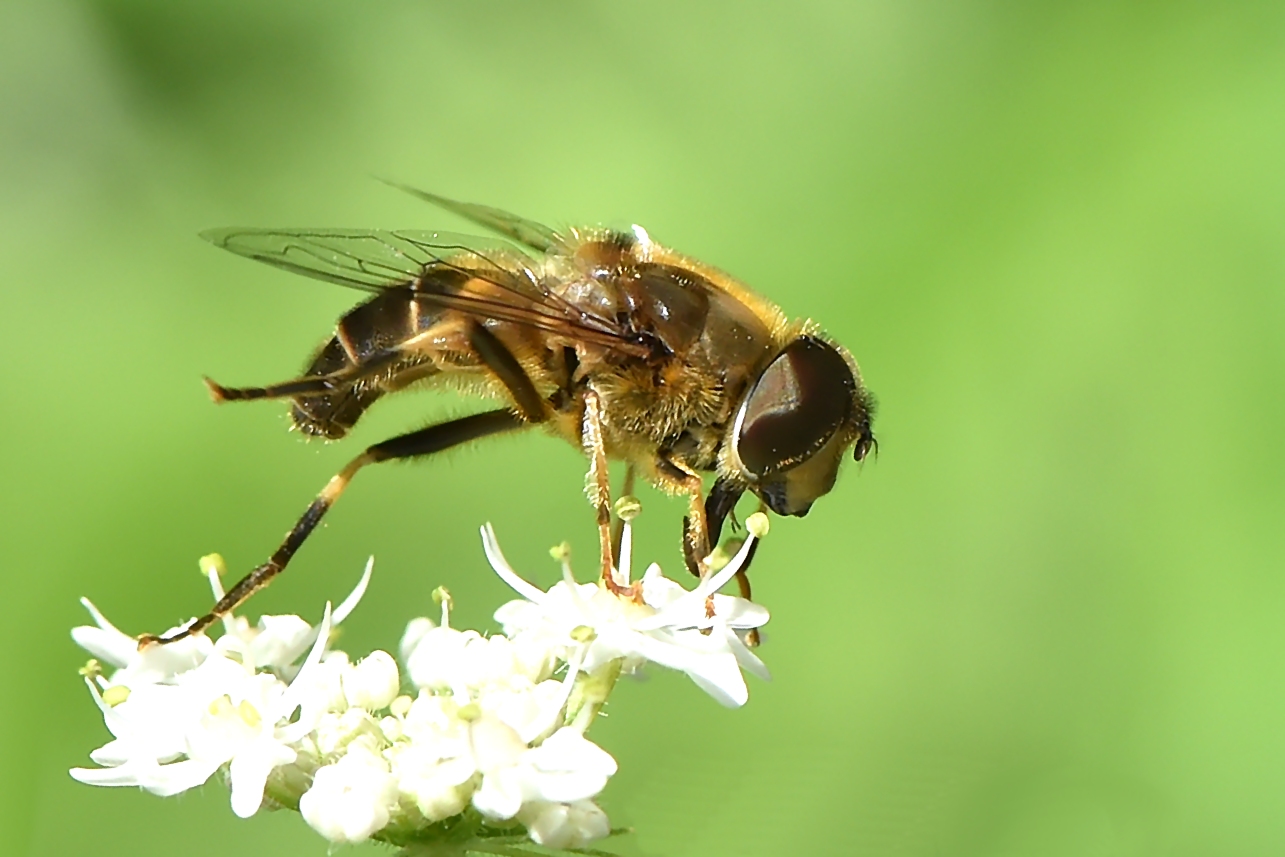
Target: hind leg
x,y
416,444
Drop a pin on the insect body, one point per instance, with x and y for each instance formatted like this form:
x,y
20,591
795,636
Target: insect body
x,y
607,339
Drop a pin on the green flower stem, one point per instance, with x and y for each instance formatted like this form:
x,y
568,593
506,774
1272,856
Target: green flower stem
x,y
590,692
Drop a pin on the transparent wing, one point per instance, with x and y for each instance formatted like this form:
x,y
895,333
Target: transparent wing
x,y
528,232
367,259
372,260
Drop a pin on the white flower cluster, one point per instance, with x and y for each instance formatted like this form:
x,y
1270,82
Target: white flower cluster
x,y
489,729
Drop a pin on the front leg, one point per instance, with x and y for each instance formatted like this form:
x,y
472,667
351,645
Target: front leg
x,y
696,542
598,485
718,506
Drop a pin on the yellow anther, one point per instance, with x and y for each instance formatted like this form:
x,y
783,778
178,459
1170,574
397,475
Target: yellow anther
x,y
562,552
470,712
583,634
213,562
115,695
628,507
92,669
757,524
249,714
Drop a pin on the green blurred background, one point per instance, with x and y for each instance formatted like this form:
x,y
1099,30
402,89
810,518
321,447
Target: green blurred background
x,y
1046,621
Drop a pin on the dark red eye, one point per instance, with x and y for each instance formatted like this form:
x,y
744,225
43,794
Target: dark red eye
x,y
800,401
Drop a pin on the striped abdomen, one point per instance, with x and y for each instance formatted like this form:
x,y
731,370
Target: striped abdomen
x,y
365,343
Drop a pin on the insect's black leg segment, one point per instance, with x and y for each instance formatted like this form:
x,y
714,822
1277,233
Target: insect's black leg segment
x,y
443,436
696,542
416,444
286,389
752,638
509,371
309,385
742,577
690,559
718,505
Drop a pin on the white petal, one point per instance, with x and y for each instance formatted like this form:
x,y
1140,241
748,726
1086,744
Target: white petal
x,y
495,744
350,800
114,648
372,683
496,557
415,631
681,611
180,776
152,664
283,638
295,695
106,641
435,661
354,598
248,774
280,640
720,677
566,786
148,726
433,784
567,767
568,750
500,795
456,772
121,775
561,826
659,590
517,615
739,613
163,780
745,658
99,619
667,649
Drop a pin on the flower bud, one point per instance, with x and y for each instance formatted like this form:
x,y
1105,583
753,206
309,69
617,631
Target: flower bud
x,y
373,682
564,825
350,800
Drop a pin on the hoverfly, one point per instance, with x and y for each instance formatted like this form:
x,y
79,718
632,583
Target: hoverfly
x,y
605,338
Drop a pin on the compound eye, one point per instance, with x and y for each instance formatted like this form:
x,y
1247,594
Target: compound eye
x,y
803,398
